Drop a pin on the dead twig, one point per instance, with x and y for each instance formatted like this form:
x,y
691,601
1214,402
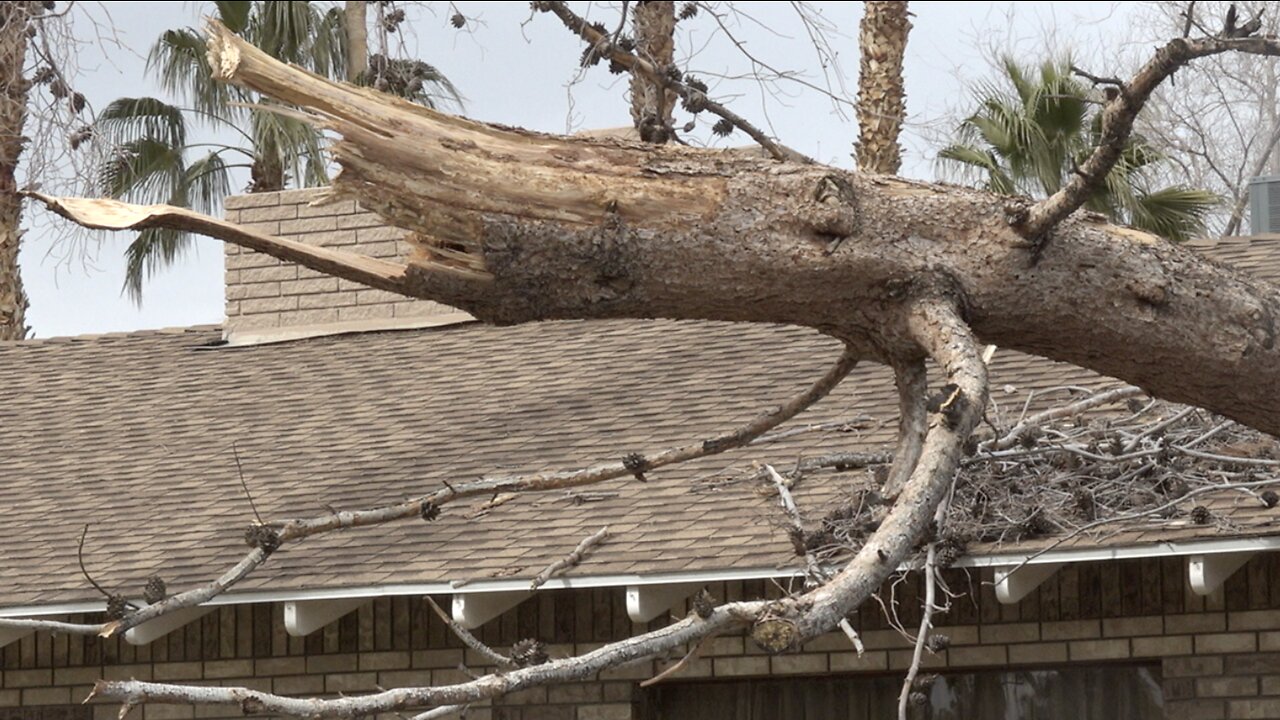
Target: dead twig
x,y
692,654
468,639
572,559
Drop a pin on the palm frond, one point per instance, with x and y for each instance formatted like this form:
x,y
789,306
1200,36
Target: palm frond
x,y
127,119
178,57
143,170
234,14
207,182
1177,213
152,250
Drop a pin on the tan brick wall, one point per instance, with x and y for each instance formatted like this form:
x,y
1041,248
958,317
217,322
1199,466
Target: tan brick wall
x,y
1218,656
262,292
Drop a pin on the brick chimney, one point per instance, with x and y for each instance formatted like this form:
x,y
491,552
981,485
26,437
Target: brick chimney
x,y
263,293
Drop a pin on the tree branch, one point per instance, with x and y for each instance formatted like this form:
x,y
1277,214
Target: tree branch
x,y
271,538
936,325
573,558
689,630
600,42
1118,117
912,380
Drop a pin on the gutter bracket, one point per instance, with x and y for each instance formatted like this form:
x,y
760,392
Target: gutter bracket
x,y
471,610
1014,582
303,617
1207,573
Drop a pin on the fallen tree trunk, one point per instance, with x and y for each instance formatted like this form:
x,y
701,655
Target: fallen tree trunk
x,y
514,227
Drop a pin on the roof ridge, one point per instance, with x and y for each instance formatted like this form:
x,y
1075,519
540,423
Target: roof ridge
x,y
115,335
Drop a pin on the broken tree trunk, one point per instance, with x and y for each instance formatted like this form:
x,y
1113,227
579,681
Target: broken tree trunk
x,y
514,227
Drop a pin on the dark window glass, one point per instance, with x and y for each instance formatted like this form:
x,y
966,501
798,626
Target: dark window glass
x,y
1077,693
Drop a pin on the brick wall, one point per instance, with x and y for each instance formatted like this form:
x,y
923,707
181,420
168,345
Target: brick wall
x,y
263,292
1219,656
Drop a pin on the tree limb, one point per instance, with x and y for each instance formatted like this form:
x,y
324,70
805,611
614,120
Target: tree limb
x,y
428,506
912,379
1118,117
574,557
599,41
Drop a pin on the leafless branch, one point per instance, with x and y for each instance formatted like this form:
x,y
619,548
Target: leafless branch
x,y
1118,118
468,639
269,538
574,557
694,96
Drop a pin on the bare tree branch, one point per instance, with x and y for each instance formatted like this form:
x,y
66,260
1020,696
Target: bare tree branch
x,y
696,97
574,557
1118,119
912,380
269,538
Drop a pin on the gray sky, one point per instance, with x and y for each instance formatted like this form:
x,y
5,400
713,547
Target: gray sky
x,y
527,75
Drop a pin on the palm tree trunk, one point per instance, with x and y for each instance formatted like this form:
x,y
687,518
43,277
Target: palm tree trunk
x,y
881,97
654,24
13,115
356,18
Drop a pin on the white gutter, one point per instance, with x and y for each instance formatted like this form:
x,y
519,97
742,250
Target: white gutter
x,y
1070,555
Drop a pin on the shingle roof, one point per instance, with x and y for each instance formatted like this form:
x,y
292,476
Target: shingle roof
x,y
133,434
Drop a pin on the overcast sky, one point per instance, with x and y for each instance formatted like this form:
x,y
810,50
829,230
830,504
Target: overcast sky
x,y
523,71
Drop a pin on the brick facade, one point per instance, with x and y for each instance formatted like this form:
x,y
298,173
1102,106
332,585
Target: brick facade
x,y
1219,656
263,292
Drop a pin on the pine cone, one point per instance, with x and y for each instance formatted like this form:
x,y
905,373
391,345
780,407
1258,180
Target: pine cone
x,y
458,20
1201,515
155,590
938,642
430,511
261,536
117,607
1270,498
688,10
704,604
723,128
528,653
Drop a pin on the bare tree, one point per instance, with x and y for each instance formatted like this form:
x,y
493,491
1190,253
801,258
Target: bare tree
x,y
515,227
356,18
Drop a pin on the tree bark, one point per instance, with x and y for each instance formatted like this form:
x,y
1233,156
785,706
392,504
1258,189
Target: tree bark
x,y
654,26
14,18
882,98
516,227
356,19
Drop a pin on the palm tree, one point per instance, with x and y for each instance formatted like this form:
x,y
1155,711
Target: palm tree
x,y
1027,139
882,44
150,158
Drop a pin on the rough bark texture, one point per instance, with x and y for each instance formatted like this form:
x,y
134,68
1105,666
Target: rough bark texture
x,y
515,227
882,99
654,25
356,19
14,17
